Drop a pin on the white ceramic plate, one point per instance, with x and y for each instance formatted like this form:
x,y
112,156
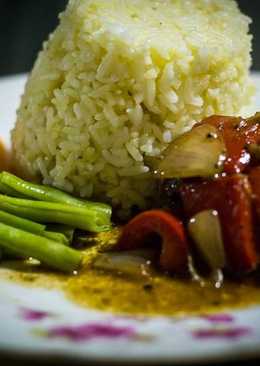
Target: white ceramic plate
x,y
38,322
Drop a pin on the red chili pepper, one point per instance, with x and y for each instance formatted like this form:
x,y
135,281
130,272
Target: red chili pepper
x,y
237,133
230,196
174,252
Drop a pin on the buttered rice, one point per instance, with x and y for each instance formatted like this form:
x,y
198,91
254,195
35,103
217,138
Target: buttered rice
x,y
117,81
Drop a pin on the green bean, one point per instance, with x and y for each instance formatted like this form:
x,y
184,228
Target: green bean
x,y
49,194
21,223
7,190
48,252
45,212
32,227
58,237
68,231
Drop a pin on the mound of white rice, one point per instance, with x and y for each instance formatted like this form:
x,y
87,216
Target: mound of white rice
x,y
118,80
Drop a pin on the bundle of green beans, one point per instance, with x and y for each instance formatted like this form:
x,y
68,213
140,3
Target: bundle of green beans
x,y
38,221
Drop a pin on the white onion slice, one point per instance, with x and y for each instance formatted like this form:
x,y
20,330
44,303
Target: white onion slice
x,y
133,263
200,152
205,231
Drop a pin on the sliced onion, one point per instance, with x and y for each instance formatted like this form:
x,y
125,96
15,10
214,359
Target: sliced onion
x,y
133,263
217,278
205,231
200,152
195,276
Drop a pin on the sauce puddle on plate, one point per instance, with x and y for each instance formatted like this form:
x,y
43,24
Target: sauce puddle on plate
x,y
159,295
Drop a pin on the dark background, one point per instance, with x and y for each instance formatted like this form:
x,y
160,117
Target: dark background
x,y
25,24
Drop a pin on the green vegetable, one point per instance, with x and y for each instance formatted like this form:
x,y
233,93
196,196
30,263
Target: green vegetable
x,y
25,244
84,218
68,231
21,223
49,194
32,227
7,190
198,153
205,231
58,237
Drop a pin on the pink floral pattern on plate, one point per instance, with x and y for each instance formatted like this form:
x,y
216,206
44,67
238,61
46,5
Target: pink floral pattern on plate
x,y
226,333
33,315
222,326
89,331
219,318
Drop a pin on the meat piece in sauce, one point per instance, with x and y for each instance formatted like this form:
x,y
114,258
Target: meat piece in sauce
x,y
230,197
237,133
194,185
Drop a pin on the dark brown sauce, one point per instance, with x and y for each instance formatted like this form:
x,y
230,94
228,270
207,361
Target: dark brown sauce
x,y
119,293
161,296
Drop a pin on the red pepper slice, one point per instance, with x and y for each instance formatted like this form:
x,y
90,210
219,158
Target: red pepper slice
x,y
230,196
237,133
174,252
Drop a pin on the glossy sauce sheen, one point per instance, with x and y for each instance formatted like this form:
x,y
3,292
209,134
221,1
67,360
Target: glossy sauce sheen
x,y
119,293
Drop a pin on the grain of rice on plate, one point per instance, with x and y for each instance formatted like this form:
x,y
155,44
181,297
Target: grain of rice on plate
x,y
119,80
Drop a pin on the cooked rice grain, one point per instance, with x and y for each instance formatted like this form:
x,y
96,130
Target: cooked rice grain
x,y
119,80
